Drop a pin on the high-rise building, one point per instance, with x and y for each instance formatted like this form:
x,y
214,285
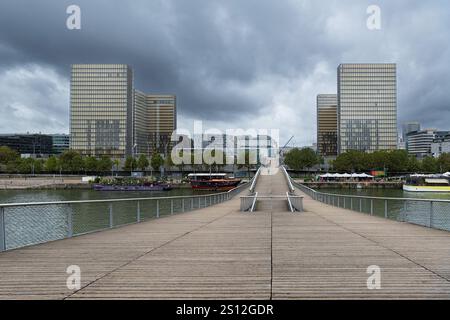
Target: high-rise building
x,y
155,119
408,127
61,143
367,107
101,109
327,130
420,142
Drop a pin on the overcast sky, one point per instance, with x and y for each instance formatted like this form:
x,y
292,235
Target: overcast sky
x,y
232,63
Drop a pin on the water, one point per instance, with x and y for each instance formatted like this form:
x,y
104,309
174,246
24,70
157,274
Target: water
x,y
425,213
37,224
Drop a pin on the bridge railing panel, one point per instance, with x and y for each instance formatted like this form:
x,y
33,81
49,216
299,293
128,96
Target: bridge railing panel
x,y
24,224
432,213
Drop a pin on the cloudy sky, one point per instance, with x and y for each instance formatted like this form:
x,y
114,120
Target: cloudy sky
x,y
231,63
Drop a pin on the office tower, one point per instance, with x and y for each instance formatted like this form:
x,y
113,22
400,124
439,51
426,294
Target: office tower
x,y
327,125
407,128
419,142
101,109
367,107
155,119
61,143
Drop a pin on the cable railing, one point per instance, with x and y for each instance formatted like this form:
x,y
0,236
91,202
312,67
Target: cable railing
x,y
255,180
24,224
432,213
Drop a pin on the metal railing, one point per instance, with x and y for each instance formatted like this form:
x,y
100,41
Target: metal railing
x,y
24,224
432,213
288,179
248,203
254,180
295,202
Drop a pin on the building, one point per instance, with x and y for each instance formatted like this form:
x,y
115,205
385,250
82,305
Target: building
x,y
60,142
28,145
367,107
327,130
419,142
101,109
154,121
408,127
440,144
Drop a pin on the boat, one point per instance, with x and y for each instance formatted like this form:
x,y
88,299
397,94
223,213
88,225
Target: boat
x,y
427,183
143,187
213,181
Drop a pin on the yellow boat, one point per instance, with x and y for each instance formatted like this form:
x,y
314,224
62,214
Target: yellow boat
x,y
427,183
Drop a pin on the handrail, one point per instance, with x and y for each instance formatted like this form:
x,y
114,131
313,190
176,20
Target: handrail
x,y
255,178
288,178
369,197
289,201
29,204
254,202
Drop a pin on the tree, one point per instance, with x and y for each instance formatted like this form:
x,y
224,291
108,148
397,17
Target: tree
x,y
430,165
413,164
130,163
71,161
299,159
116,163
7,155
142,162
156,161
105,164
52,164
90,164
444,162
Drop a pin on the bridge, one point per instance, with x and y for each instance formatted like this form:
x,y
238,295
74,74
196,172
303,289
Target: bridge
x,y
220,252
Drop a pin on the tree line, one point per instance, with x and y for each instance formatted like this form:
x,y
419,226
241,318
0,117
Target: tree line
x,y
395,161
72,162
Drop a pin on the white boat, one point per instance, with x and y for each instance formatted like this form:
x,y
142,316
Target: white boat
x,y
427,183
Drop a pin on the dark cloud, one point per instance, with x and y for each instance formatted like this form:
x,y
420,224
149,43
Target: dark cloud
x,y
233,63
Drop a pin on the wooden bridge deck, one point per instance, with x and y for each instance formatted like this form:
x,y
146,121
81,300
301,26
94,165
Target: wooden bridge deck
x,y
221,253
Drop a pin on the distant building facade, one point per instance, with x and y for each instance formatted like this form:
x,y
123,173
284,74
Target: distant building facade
x,y
60,142
419,142
440,144
101,109
29,145
154,121
367,107
327,125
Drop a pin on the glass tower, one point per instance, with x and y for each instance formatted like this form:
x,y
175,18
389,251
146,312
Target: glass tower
x,y
101,109
327,125
367,107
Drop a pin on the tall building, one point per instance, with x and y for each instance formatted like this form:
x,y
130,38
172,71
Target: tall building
x,y
327,129
441,144
101,109
408,127
154,120
367,107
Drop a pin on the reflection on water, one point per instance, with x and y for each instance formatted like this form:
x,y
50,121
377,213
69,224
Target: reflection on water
x,y
36,224
430,214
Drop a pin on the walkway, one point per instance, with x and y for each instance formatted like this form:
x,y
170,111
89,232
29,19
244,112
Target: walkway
x,y
221,253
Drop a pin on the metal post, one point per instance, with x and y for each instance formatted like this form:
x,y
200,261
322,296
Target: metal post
x,y
371,207
182,205
192,203
157,208
385,209
2,230
199,202
431,214
138,215
360,204
351,203
171,206
69,224
405,210
111,217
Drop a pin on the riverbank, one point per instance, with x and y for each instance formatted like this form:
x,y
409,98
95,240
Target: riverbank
x,y
353,185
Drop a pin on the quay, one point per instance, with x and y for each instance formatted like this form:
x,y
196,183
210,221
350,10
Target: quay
x,y
219,252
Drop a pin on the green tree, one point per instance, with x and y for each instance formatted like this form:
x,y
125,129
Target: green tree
x,y
299,159
52,164
444,162
430,165
413,165
90,164
105,164
7,155
71,161
156,161
354,161
142,162
130,164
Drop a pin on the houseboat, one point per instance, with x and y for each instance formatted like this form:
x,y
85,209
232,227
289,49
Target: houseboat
x,y
427,183
213,181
